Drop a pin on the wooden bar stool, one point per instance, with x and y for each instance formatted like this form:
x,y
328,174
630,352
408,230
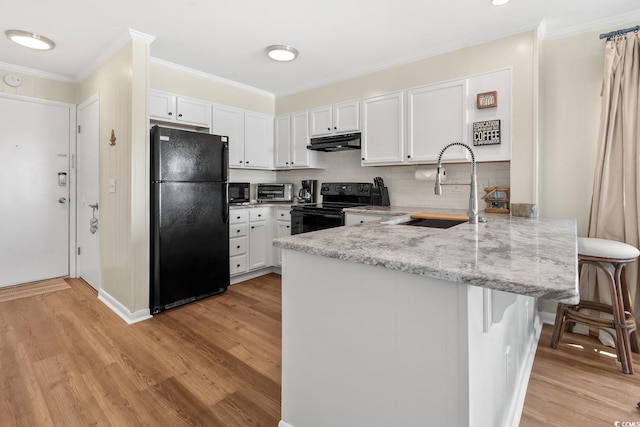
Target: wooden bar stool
x,y
604,254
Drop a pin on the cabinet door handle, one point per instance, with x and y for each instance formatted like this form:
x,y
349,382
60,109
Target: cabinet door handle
x,y
408,157
180,115
238,265
288,226
237,231
363,158
328,128
252,227
335,127
239,161
238,247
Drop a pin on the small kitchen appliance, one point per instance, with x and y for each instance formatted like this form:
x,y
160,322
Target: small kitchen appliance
x,y
274,192
308,191
239,192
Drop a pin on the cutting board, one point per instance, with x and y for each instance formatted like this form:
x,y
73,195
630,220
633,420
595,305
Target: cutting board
x,y
439,215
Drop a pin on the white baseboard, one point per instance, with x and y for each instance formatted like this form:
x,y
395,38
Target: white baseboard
x,y
547,317
253,274
283,424
123,311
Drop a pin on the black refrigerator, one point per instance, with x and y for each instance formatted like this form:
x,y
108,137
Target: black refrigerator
x,y
189,217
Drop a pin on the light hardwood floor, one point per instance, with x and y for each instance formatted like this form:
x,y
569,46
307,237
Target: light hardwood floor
x,y
67,360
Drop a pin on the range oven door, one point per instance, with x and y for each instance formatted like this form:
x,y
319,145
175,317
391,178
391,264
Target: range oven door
x,y
304,221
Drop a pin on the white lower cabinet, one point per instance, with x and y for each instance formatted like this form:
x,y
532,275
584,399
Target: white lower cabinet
x,y
238,226
356,218
259,238
282,229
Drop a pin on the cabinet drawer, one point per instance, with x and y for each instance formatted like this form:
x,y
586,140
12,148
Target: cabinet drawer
x,y
283,214
237,230
238,215
258,214
237,264
238,246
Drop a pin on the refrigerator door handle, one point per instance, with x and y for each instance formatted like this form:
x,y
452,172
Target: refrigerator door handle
x,y
225,160
225,215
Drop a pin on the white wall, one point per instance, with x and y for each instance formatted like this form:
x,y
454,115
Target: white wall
x,y
39,86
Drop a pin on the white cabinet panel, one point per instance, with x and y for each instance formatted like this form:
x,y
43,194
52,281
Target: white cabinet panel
x,y
383,129
282,128
339,118
162,106
321,121
291,140
346,117
229,121
354,218
193,111
300,156
177,109
258,140
436,117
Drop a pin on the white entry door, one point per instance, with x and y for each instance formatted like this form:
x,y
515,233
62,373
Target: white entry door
x,y
88,193
34,191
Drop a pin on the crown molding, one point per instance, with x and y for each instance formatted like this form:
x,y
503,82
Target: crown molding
x,y
598,25
121,41
36,73
211,77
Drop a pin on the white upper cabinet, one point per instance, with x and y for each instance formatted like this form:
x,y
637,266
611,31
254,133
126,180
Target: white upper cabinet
x,y
336,119
291,140
383,129
177,109
282,129
437,116
229,121
258,140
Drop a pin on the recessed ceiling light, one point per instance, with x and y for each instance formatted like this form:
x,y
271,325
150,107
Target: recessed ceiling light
x,y
30,40
499,2
280,52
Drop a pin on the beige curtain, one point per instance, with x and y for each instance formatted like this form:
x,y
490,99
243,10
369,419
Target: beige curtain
x,y
615,207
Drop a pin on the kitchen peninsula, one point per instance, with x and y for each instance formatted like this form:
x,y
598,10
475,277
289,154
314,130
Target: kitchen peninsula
x,y
386,324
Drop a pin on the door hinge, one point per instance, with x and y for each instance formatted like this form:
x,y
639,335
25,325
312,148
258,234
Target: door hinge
x,y
78,128
78,250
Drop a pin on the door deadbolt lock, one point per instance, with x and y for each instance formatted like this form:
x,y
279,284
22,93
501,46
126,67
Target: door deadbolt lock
x,y
62,200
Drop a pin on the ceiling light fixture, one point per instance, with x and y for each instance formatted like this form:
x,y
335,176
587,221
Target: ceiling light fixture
x,y
30,40
499,2
280,52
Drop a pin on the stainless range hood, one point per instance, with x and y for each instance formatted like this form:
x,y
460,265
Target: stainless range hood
x,y
349,141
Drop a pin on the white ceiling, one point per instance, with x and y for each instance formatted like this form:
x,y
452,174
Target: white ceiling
x,y
337,39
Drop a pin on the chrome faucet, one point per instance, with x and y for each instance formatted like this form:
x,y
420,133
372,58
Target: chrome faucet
x,y
472,213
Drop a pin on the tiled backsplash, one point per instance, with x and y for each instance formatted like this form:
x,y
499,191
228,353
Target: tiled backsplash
x,y
404,190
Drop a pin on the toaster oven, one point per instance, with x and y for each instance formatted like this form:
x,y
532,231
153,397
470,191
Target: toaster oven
x,y
274,192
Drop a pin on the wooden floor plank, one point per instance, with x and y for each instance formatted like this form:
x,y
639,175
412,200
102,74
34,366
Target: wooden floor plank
x,y
66,359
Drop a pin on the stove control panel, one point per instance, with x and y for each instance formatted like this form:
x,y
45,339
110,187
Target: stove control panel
x,y
360,189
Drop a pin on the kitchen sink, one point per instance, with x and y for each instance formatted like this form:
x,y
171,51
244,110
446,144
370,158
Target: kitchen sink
x,y
433,223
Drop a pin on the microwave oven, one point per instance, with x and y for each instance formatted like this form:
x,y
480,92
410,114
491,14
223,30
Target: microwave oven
x,y
239,192
274,192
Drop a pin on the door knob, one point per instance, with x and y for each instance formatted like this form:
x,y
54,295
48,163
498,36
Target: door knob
x,y
62,200
94,206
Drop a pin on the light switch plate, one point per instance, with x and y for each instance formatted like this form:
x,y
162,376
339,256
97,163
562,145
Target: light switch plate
x,y
112,185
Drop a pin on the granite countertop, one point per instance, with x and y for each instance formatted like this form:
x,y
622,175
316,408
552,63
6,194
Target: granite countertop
x,y
527,256
261,205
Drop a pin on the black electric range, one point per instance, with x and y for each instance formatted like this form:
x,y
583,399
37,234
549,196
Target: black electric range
x,y
336,196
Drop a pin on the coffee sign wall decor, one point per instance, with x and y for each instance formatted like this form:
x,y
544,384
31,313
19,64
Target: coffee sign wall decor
x,y
486,133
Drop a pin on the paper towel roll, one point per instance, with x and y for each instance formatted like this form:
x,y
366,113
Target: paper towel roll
x,y
430,174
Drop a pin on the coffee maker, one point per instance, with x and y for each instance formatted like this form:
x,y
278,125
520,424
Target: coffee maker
x,y
308,193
